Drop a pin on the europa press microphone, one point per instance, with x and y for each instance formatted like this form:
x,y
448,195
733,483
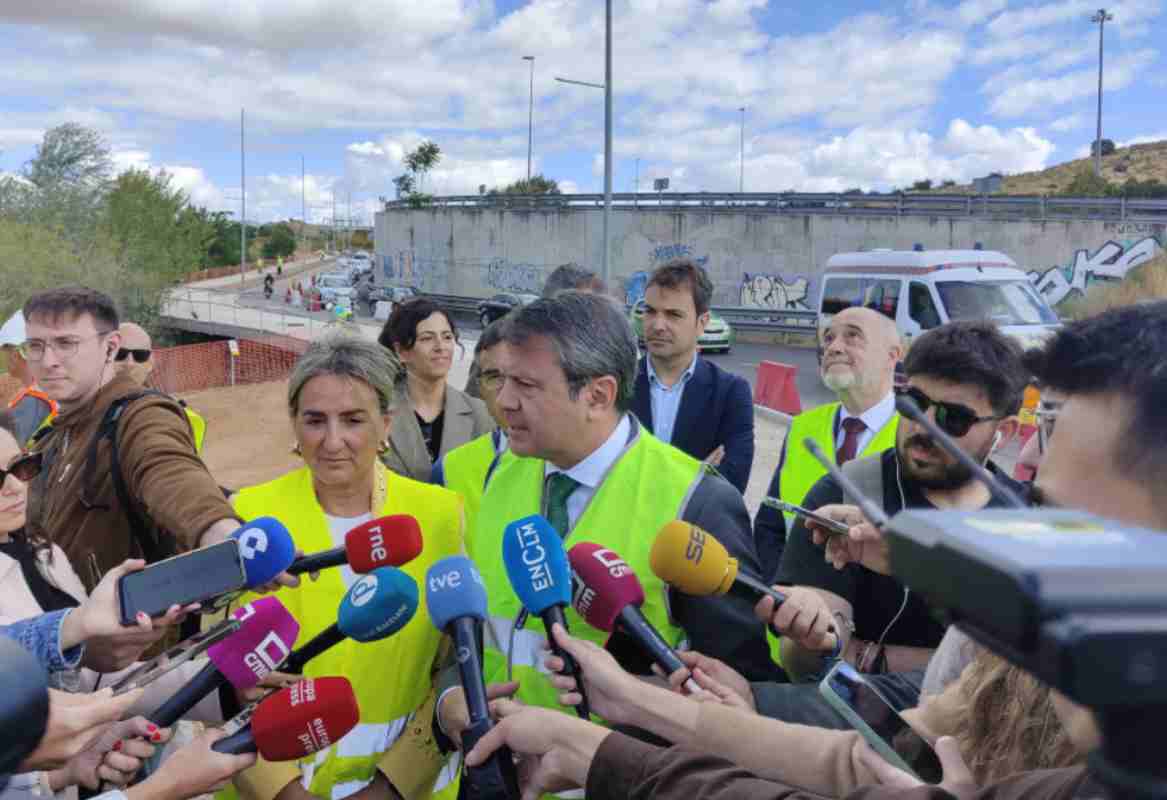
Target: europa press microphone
x,y
390,541
538,571
608,596
456,602
24,706
375,607
297,721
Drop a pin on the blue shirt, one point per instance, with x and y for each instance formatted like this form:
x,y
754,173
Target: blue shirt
x,y
41,637
666,400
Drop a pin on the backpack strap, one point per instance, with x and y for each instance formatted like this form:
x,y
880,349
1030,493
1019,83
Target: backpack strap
x,y
867,475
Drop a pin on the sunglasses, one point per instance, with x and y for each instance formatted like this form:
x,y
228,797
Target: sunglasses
x,y
140,356
24,468
952,418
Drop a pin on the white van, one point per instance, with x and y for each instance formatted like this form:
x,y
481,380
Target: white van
x,y
921,289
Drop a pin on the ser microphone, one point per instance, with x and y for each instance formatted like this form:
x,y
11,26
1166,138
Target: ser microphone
x,y
390,541
608,595
375,607
456,601
537,567
24,705
266,636
297,721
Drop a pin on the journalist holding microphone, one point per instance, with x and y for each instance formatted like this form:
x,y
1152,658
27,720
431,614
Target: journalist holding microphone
x,y
340,396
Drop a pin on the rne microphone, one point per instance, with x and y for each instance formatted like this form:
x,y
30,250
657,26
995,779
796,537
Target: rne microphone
x,y
375,607
297,721
390,541
266,548
608,595
266,636
24,705
539,573
455,598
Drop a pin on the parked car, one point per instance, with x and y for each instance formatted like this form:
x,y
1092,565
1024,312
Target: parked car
x,y
718,336
392,295
332,287
500,305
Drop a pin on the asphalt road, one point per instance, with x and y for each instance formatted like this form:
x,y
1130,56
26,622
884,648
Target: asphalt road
x,y
744,359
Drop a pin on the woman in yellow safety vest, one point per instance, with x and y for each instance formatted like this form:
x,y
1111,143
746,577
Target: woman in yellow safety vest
x,y
340,396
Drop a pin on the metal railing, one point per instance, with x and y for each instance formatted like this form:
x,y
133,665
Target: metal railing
x,y
899,205
204,311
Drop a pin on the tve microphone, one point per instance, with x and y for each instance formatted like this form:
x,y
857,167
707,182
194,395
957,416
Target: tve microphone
x,y
391,541
608,596
267,549
537,567
375,607
24,705
263,641
694,561
456,600
297,721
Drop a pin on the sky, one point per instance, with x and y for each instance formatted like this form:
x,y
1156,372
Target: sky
x,y
837,95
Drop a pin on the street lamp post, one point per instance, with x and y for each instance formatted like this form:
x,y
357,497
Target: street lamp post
x,y
530,120
741,181
1102,16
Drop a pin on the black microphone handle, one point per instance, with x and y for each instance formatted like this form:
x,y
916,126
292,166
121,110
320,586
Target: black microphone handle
x,y
754,590
495,779
206,681
335,557
550,616
464,631
242,741
633,622
297,659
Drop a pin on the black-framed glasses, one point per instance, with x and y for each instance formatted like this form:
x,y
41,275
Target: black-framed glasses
x,y
140,356
63,346
24,468
953,418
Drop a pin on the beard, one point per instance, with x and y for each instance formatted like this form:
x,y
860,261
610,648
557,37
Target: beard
x,y
839,381
936,475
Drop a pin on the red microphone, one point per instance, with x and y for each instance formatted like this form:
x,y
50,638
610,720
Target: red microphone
x,y
383,542
297,721
608,595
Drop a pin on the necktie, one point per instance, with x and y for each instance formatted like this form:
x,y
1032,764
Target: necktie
x,y
560,485
853,428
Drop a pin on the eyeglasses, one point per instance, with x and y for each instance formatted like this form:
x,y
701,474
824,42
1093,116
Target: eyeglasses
x,y
64,346
24,468
952,418
140,356
492,379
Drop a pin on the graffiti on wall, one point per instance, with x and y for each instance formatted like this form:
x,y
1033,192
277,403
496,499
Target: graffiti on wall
x,y
635,283
508,277
1110,262
775,291
407,268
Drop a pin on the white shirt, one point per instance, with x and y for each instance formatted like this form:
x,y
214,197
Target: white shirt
x,y
666,400
338,527
874,418
590,472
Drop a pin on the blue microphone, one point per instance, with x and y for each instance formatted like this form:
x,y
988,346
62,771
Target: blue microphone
x,y
374,608
540,574
267,549
455,597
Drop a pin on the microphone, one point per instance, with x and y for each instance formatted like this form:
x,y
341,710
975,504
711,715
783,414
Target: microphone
x,y
455,598
297,721
24,705
262,642
537,566
266,548
608,596
375,607
391,541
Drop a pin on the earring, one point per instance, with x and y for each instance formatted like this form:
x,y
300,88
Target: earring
x,y
296,449
384,448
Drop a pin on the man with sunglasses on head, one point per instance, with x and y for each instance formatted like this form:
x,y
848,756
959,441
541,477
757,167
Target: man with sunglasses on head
x,y
135,357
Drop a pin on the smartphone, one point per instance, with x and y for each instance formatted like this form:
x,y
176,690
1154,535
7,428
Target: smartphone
x,y
888,733
188,649
833,527
193,577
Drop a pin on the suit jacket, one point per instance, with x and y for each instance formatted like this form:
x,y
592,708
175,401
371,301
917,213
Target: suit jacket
x,y
465,419
717,408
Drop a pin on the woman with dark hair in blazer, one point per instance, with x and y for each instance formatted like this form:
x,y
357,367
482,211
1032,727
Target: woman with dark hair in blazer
x,y
431,417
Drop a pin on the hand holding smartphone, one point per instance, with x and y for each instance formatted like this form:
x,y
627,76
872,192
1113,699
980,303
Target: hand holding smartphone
x,y
832,527
193,577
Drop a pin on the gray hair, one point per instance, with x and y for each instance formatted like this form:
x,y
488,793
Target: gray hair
x,y
591,337
343,351
571,276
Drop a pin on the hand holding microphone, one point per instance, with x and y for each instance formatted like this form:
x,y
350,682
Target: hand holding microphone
x,y
390,541
298,721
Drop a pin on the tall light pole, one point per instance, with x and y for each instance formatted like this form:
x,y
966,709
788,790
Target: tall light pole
x,y
303,205
741,181
530,120
242,203
1101,16
607,139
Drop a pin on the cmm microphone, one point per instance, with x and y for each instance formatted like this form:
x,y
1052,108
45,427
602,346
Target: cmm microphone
x,y
456,600
266,636
375,607
608,595
390,541
24,705
539,573
297,721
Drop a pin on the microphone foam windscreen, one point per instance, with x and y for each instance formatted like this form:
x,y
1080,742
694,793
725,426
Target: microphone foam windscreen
x,y
24,704
690,559
536,564
453,588
378,605
267,549
391,541
605,585
263,641
304,718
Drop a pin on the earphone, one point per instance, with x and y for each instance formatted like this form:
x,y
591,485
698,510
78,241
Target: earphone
x,y
996,440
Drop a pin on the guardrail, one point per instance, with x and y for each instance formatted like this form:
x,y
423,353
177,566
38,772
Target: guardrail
x,y
920,205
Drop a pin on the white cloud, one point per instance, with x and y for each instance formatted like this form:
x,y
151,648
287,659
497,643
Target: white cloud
x,y
1018,97
1068,123
1129,16
1143,139
371,166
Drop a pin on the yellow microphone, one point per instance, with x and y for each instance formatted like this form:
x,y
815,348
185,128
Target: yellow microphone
x,y
691,559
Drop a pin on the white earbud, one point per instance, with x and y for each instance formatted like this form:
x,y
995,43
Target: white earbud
x,y
996,440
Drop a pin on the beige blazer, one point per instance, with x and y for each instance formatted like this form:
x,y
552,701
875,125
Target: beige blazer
x,y
466,418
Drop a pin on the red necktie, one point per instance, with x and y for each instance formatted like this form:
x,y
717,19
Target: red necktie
x,y
853,428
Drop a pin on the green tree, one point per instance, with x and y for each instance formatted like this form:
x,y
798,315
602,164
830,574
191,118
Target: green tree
x,y
418,163
537,185
922,186
1087,184
65,182
281,241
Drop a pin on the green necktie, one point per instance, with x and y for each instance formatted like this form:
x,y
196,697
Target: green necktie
x,y
560,485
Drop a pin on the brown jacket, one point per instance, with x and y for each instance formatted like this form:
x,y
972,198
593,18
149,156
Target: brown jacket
x,y
162,472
